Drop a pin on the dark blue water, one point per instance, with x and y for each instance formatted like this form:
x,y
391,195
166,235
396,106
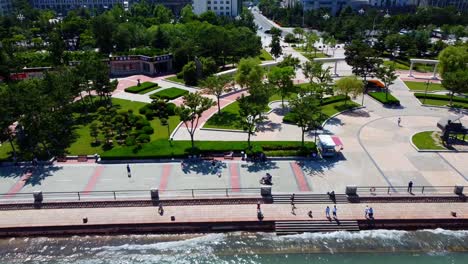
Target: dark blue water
x,y
379,246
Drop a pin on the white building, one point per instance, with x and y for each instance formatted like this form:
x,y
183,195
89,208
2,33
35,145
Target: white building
x,y
220,7
333,5
386,3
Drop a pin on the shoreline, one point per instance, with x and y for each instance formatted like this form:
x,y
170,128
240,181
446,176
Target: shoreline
x,y
199,217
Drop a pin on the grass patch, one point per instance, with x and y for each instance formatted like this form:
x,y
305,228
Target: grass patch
x,y
5,151
421,86
164,148
228,118
311,55
142,89
149,90
175,79
400,64
425,140
170,93
264,56
384,99
442,100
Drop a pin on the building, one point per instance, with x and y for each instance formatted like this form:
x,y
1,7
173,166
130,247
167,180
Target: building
x,y
139,64
5,7
230,8
461,5
63,6
333,5
390,3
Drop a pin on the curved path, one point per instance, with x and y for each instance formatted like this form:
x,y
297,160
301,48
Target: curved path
x,y
378,151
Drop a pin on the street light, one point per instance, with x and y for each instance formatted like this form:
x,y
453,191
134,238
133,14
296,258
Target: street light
x,y
425,93
326,16
361,11
20,17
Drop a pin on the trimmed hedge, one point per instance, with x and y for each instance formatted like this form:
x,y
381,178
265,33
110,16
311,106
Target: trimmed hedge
x,y
380,96
165,149
442,97
170,93
143,86
334,99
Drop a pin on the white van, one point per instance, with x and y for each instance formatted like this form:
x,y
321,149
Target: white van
x,y
329,146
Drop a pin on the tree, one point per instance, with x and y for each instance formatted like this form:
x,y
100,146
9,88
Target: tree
x,y
387,75
305,113
56,48
249,73
319,78
349,85
362,58
282,79
103,28
216,85
275,46
291,61
190,73
299,32
94,131
162,14
311,39
456,82
191,110
452,59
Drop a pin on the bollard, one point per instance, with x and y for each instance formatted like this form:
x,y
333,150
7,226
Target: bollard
x,y
458,190
265,191
155,194
38,196
351,190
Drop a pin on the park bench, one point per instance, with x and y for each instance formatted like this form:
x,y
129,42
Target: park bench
x,y
82,158
229,155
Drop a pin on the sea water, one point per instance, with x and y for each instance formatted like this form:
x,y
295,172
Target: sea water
x,y
377,246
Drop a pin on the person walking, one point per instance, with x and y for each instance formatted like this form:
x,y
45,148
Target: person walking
x,y
160,209
399,121
327,212
292,201
366,211
371,213
410,187
129,171
334,211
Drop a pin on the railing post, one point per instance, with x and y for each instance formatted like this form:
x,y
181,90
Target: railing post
x,y
115,198
422,189
193,196
388,190
79,198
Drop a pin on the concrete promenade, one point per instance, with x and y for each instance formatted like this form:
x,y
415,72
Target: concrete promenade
x,y
224,214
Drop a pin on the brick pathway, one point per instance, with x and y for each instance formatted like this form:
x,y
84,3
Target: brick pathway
x,y
225,213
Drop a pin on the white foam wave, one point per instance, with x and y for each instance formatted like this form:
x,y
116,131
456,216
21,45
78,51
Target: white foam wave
x,y
346,235
454,233
172,245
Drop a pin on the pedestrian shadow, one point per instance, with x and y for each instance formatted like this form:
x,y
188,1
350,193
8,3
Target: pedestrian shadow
x,y
39,173
260,166
201,167
318,167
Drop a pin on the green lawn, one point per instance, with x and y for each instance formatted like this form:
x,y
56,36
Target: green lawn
x,y
333,108
164,148
425,140
83,143
421,86
400,64
264,56
5,151
311,55
175,79
142,89
442,100
170,93
228,119
149,90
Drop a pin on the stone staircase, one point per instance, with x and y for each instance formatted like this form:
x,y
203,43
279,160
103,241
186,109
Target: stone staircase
x,y
309,198
309,226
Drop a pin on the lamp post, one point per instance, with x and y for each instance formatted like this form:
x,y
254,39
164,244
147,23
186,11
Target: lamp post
x,y
425,93
20,17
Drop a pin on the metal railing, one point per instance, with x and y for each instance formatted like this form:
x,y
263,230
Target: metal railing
x,y
404,190
129,195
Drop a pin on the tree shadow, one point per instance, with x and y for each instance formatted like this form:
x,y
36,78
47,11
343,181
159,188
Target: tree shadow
x,y
39,173
318,167
202,167
281,111
13,171
268,126
357,113
260,166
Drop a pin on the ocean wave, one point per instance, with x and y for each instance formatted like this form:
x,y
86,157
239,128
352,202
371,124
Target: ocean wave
x,y
185,244
346,235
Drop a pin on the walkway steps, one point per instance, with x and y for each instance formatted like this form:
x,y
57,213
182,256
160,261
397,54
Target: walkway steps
x,y
309,199
297,227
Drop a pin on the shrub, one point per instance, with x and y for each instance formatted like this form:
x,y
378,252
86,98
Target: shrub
x,y
169,94
130,141
142,123
290,38
380,96
171,109
144,109
148,130
143,86
334,99
143,138
442,97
